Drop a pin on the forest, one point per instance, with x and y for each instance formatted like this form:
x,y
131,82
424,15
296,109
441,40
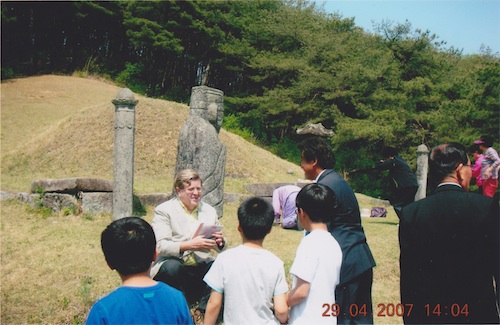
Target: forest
x,y
281,64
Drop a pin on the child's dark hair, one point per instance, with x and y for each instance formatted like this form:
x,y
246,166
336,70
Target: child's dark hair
x,y
256,217
129,245
318,201
319,149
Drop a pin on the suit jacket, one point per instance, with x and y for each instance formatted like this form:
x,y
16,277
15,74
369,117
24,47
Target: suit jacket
x,y
346,228
173,225
449,245
399,172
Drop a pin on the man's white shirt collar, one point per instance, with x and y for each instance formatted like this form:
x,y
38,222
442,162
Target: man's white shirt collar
x,y
321,173
449,183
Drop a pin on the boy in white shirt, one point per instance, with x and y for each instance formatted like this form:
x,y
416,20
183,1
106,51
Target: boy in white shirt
x,y
316,268
249,280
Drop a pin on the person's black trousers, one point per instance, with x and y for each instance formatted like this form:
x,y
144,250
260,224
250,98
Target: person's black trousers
x,y
188,279
355,300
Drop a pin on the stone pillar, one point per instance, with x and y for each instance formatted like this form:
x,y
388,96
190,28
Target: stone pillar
x,y
422,169
123,184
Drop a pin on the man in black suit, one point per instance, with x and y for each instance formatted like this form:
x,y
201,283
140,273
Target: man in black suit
x,y
354,292
404,184
449,245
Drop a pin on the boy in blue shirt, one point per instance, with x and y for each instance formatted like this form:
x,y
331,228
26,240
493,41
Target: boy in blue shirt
x,y
129,247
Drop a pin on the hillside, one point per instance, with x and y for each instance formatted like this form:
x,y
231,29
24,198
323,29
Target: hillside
x,y
60,126
55,127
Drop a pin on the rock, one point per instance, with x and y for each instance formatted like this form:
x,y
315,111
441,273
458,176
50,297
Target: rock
x,y
7,195
58,202
96,203
154,199
72,185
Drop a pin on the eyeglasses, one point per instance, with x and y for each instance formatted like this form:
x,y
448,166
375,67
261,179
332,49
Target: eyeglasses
x,y
297,211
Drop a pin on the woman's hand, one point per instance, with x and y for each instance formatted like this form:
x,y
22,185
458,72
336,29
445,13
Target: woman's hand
x,y
488,171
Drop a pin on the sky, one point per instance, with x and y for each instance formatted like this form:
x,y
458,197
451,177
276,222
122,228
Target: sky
x,y
463,24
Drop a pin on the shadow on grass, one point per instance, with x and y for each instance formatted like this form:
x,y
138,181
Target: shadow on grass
x,y
390,220
387,223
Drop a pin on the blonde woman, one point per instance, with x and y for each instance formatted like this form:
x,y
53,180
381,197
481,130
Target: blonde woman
x,y
184,259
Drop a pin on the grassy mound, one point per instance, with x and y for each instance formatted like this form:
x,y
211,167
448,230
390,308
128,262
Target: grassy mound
x,y
52,266
59,127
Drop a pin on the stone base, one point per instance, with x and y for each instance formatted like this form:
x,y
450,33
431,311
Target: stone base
x,y
102,202
154,199
59,202
97,202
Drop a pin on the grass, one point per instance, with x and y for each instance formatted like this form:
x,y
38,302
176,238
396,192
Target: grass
x,y
52,266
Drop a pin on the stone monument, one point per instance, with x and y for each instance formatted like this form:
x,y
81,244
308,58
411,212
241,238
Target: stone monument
x,y
199,147
123,171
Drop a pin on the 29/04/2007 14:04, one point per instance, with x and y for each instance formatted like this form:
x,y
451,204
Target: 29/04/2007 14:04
x,y
390,310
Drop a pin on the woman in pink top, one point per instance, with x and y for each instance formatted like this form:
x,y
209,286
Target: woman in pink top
x,y
489,166
477,153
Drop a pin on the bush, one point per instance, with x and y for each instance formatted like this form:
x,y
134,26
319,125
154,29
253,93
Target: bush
x,y
176,94
7,73
374,184
232,124
287,149
131,78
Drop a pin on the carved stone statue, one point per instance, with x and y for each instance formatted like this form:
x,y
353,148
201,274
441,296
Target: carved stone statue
x,y
199,147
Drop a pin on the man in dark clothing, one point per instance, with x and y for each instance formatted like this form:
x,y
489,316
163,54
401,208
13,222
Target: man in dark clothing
x,y
449,245
404,183
356,273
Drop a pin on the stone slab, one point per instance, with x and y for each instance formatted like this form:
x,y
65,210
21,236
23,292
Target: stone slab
x,y
72,185
154,199
4,195
58,202
30,199
96,203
